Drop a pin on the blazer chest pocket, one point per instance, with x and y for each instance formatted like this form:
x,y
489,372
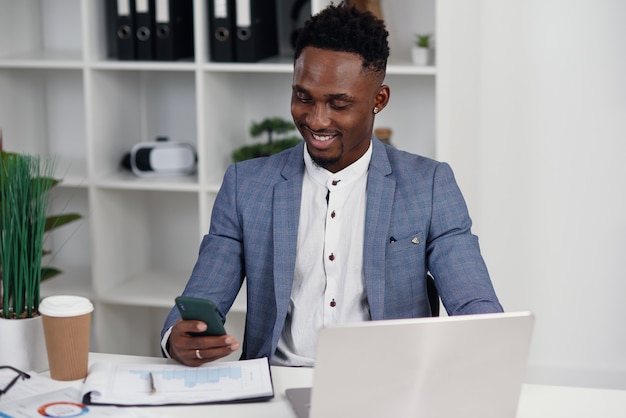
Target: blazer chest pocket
x,y
413,243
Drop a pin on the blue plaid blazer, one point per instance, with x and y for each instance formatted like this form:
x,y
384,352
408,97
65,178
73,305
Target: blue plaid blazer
x,y
416,222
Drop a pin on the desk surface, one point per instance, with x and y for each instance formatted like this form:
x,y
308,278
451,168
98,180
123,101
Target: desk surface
x,y
536,401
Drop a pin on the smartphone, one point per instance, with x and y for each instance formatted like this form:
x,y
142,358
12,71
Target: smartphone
x,y
201,310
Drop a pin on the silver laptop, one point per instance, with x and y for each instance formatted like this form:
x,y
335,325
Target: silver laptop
x,y
462,366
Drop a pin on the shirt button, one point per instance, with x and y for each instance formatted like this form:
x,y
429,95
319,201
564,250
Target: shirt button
x,y
331,257
333,303
332,215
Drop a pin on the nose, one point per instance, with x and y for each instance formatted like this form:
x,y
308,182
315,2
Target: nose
x,y
318,118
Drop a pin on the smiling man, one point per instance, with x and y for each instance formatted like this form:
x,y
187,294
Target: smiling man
x,y
334,109
340,228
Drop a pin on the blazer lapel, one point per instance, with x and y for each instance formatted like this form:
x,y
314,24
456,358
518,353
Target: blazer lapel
x,y
287,196
380,194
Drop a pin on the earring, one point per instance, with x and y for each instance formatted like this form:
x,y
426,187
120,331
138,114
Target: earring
x,y
375,110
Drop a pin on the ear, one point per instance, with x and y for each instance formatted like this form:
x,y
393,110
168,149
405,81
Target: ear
x,y
382,97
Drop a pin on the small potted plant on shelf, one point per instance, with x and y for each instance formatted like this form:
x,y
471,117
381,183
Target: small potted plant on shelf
x,y
423,52
271,127
25,183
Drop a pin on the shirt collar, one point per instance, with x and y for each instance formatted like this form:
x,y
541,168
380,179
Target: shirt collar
x,y
342,177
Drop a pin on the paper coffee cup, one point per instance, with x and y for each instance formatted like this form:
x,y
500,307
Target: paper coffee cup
x,y
67,326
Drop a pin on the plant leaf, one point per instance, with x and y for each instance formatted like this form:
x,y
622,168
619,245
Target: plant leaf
x,y
49,272
55,221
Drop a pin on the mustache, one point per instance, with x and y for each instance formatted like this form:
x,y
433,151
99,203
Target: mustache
x,y
304,127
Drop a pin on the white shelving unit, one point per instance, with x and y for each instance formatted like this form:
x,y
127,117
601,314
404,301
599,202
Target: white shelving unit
x,y
62,97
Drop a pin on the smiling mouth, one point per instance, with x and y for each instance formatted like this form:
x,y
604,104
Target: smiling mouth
x,y
325,135
322,138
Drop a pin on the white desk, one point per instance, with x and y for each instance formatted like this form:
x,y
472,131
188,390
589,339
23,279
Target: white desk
x,y
542,401
537,401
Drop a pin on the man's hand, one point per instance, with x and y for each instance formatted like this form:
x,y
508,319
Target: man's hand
x,y
197,350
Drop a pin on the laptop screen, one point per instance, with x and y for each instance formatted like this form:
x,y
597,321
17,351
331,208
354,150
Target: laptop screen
x,y
468,366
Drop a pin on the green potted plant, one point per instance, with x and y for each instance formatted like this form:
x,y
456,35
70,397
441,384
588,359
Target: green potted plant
x,y
25,184
271,127
422,51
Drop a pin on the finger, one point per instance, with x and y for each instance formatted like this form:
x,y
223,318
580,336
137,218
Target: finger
x,y
180,340
212,348
189,326
201,356
195,351
221,343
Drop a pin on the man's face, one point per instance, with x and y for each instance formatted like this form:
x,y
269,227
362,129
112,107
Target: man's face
x,y
332,104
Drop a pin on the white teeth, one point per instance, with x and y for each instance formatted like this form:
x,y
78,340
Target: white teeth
x,y
322,138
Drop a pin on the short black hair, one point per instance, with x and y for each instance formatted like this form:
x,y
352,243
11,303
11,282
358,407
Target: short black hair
x,y
344,28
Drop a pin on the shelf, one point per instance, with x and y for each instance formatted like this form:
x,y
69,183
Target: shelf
x,y
71,171
285,65
36,33
157,289
410,69
73,60
42,112
130,181
153,289
143,65
43,59
213,188
63,95
72,281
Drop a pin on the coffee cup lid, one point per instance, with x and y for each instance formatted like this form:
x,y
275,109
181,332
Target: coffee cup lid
x,y
65,305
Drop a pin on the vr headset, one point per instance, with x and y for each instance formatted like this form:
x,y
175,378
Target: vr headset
x,y
161,158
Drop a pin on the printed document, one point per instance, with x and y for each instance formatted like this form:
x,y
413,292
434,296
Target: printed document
x,y
63,402
175,384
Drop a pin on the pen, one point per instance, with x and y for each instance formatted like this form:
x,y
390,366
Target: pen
x,y
152,385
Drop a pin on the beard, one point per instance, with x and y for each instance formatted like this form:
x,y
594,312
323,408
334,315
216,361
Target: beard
x,y
324,162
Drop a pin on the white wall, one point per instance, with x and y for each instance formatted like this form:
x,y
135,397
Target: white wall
x,y
532,116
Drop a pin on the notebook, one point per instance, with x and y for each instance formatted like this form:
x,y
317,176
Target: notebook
x,y
468,366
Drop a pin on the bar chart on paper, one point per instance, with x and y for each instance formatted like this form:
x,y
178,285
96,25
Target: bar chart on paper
x,y
161,384
216,378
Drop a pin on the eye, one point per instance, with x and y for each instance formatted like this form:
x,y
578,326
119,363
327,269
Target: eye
x,y
339,105
303,98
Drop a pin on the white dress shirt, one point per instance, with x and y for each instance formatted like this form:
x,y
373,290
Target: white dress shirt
x,y
328,285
